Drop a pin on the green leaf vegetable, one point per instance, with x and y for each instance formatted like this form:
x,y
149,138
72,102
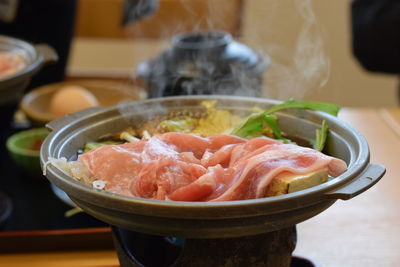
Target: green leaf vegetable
x,y
255,124
320,136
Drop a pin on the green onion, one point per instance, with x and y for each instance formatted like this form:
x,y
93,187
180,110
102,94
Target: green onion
x,y
320,136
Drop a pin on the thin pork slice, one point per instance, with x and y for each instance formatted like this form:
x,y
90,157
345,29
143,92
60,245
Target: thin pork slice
x,y
185,167
117,165
252,174
149,168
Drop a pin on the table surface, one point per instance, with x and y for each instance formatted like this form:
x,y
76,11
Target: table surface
x,y
359,232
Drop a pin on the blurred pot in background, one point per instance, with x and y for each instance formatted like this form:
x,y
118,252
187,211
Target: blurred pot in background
x,y
208,62
44,21
34,57
13,85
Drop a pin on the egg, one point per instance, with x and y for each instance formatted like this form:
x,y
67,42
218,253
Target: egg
x,y
71,98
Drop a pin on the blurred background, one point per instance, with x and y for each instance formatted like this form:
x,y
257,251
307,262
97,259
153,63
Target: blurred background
x,y
103,47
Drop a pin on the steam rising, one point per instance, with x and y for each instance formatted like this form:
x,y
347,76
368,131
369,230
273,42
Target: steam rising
x,y
299,63
309,68
310,60
295,70
147,111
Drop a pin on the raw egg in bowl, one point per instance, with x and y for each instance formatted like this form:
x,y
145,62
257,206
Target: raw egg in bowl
x,y
52,101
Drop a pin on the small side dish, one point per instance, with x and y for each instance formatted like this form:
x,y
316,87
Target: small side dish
x,y
24,149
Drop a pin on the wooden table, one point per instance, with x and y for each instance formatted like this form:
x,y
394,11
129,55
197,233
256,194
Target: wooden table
x,y
363,231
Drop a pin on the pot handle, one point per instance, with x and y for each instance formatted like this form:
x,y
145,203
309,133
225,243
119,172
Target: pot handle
x,y
370,176
61,122
48,53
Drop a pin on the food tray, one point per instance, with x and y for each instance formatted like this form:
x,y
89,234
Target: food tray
x,y
37,221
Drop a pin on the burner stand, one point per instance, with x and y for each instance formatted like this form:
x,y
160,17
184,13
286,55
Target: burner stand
x,y
268,249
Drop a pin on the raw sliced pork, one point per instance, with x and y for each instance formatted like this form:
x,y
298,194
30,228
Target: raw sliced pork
x,y
186,167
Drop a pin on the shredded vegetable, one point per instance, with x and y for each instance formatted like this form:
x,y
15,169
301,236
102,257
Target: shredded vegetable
x,y
183,125
128,137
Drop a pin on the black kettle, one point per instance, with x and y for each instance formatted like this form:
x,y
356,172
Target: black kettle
x,y
204,63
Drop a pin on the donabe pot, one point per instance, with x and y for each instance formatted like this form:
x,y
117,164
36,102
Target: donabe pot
x,y
204,219
35,56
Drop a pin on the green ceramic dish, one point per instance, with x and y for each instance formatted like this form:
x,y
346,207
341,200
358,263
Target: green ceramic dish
x,y
24,148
